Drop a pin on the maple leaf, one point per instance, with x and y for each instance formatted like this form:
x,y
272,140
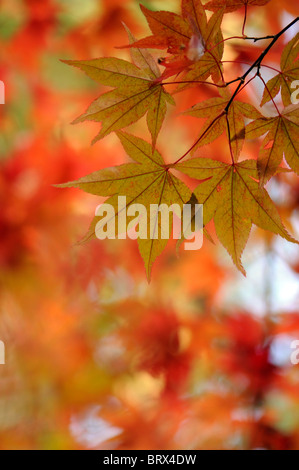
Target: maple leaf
x,y
210,62
147,181
281,140
136,93
231,195
233,5
187,37
170,31
289,66
219,121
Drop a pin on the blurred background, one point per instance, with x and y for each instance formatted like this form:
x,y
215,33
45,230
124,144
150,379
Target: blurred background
x,y
96,358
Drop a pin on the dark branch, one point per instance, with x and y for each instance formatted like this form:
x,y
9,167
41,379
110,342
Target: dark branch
x,y
257,63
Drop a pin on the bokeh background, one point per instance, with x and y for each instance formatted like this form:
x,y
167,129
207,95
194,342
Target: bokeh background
x,y
96,358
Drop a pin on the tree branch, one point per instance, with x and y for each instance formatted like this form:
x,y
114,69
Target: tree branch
x,y
257,63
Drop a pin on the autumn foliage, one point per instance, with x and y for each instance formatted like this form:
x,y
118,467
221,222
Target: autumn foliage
x,y
122,344
232,193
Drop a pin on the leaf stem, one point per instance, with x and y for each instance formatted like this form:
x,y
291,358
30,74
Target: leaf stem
x,y
248,63
229,140
245,19
203,82
199,139
269,93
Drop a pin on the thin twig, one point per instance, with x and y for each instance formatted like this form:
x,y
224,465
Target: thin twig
x,y
244,22
257,63
242,81
199,139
